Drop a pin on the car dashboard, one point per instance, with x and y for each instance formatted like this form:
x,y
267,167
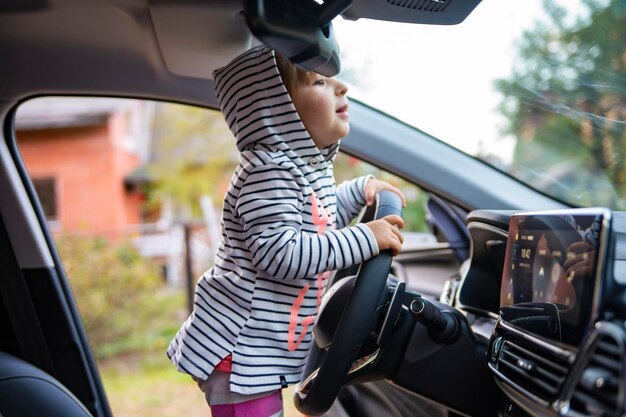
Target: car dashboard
x,y
552,285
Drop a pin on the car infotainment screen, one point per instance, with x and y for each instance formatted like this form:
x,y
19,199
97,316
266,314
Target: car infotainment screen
x,y
550,272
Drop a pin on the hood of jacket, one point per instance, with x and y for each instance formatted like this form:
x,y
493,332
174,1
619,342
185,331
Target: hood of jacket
x,y
260,113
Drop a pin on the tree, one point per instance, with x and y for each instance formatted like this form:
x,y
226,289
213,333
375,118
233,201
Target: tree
x,y
117,290
194,153
568,100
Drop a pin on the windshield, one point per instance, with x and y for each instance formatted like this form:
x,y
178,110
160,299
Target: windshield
x,y
536,89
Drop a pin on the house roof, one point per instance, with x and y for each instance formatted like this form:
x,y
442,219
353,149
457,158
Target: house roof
x,y
58,112
139,176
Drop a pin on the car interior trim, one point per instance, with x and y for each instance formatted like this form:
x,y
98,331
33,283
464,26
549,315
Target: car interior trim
x,y
514,389
473,225
24,230
566,353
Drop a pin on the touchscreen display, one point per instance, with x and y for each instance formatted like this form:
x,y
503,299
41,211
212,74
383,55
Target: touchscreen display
x,y
548,282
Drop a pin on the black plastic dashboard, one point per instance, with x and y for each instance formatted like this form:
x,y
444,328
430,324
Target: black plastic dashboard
x,y
558,342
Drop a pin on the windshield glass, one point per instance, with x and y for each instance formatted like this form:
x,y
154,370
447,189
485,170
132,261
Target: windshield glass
x,y
537,89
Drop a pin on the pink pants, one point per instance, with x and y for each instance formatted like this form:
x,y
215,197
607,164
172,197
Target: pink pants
x,y
225,403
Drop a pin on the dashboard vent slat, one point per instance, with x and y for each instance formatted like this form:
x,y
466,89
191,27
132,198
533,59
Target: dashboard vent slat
x,y
597,391
609,348
543,385
539,373
607,363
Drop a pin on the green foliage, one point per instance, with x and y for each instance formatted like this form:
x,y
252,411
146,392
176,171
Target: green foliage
x,y
120,295
414,214
194,155
566,104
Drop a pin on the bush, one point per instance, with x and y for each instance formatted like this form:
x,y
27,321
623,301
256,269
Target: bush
x,y
118,292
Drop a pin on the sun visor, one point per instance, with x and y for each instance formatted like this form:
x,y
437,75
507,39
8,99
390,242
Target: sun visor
x,y
196,37
301,30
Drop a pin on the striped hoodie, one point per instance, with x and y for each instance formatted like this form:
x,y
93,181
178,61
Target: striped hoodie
x,y
283,228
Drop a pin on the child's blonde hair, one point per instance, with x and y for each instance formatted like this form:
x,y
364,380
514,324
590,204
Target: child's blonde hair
x,y
291,75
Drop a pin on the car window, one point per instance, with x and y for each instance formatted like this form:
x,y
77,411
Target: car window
x,y
132,191
536,91
96,165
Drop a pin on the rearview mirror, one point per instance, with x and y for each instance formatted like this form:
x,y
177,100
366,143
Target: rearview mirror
x,y
299,29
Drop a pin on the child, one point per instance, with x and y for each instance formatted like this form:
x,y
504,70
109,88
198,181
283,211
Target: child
x,y
250,330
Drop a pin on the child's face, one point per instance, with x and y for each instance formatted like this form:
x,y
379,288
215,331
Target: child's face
x,y
322,105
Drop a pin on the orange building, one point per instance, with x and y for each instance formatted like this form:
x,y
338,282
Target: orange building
x,y
80,153
87,159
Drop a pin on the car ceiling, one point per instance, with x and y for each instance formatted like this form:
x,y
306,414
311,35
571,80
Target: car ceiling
x,y
160,49
90,47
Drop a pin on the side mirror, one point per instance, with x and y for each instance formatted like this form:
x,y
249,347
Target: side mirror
x,y
299,29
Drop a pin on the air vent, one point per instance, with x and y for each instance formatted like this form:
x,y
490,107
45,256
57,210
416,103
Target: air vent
x,y
540,373
600,387
425,5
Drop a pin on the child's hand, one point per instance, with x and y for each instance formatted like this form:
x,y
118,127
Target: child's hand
x,y
387,232
373,186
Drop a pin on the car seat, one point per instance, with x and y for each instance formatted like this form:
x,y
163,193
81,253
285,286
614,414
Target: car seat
x,y
26,391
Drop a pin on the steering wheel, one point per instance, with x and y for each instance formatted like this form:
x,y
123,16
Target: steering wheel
x,y
340,332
